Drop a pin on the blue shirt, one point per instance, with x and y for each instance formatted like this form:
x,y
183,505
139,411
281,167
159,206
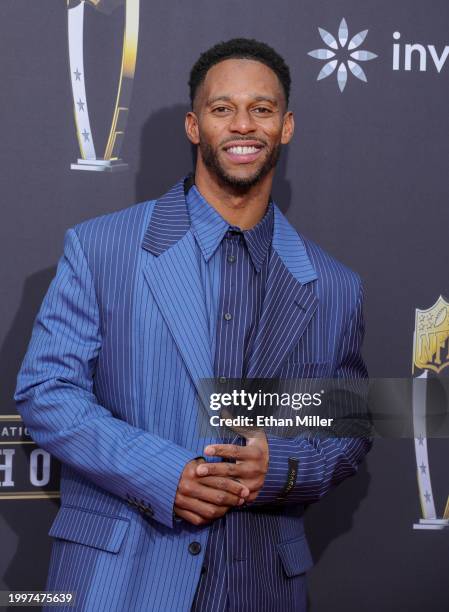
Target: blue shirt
x,y
241,259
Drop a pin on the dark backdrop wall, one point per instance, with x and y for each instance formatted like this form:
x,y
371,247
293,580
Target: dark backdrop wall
x,y
366,177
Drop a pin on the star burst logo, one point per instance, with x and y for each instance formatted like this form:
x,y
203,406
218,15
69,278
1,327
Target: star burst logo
x,y
346,55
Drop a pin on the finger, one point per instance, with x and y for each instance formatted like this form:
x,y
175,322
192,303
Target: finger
x,y
252,496
190,517
217,496
226,484
204,509
196,489
237,470
231,451
192,487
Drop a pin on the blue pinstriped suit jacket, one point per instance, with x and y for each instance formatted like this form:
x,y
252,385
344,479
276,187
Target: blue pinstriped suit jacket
x,y
109,386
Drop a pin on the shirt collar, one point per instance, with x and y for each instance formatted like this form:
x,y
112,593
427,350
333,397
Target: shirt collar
x,y
209,228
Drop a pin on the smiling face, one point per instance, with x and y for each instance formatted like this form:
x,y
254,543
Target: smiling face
x,y
239,122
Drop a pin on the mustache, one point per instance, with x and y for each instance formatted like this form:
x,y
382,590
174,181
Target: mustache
x,y
243,139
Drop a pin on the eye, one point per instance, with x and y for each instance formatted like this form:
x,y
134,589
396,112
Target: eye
x,y
220,110
261,110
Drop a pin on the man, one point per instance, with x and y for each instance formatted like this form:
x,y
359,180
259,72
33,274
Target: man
x,y
208,281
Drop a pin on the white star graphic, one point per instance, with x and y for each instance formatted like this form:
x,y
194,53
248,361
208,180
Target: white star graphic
x,y
331,64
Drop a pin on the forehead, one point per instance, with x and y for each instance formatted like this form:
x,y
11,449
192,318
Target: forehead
x,y
240,77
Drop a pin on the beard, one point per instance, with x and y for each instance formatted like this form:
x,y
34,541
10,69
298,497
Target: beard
x,y
241,184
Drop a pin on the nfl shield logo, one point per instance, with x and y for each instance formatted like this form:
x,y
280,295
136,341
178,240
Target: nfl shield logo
x,y
431,338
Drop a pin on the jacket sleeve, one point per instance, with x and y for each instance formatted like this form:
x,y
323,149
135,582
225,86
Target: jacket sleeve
x,y
55,396
320,462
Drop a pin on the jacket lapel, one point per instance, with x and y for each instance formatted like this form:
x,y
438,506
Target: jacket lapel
x,y
173,275
289,302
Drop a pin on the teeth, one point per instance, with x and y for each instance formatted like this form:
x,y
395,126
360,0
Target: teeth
x,y
242,150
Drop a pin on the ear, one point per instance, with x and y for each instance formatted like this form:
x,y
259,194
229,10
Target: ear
x,y
288,127
191,126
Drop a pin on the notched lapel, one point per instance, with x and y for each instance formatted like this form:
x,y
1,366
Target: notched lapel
x,y
173,274
175,282
289,302
287,310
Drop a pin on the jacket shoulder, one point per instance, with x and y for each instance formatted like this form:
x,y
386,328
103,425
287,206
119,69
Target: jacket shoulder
x,y
125,218
112,235
109,239
333,275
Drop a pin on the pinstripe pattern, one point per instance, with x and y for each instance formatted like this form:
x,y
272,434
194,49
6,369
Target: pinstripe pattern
x,y
243,261
109,385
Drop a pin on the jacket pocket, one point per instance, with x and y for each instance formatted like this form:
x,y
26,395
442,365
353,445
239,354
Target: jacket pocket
x,y
90,528
295,556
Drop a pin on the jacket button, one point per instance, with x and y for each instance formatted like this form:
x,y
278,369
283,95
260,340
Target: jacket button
x,y
194,548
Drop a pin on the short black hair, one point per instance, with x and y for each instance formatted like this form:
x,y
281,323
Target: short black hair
x,y
239,48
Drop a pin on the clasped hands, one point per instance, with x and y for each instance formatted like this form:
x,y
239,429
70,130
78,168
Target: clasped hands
x,y
206,491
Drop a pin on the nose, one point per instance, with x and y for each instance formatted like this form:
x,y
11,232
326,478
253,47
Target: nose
x,y
242,122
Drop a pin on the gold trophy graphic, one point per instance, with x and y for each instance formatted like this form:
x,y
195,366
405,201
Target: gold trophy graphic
x,y
430,353
111,157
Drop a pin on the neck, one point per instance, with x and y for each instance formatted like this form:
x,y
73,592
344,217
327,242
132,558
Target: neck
x,y
243,208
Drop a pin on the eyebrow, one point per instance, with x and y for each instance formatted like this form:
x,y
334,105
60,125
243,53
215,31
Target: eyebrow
x,y
228,99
